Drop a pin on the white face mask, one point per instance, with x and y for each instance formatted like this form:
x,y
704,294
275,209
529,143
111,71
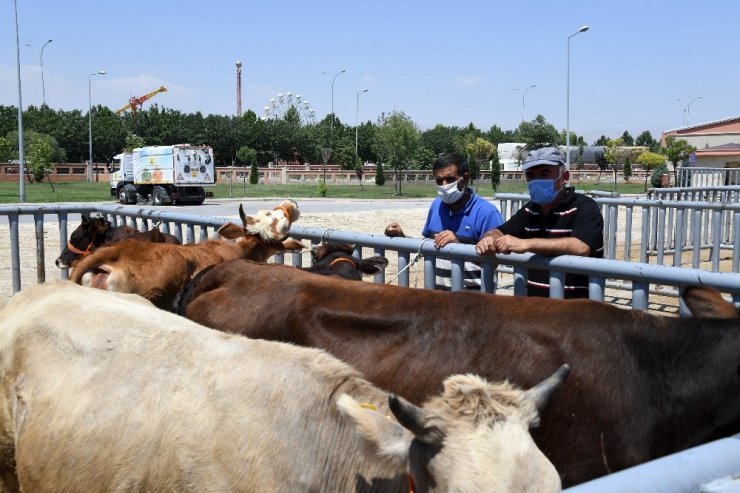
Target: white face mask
x,y
449,193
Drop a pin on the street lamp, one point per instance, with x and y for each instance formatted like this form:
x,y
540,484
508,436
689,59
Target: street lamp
x,y
331,129
357,115
688,109
41,61
524,95
583,29
21,152
89,113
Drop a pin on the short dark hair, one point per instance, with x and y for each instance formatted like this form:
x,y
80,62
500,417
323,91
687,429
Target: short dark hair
x,y
446,159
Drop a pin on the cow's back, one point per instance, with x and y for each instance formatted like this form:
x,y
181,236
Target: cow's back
x,y
606,417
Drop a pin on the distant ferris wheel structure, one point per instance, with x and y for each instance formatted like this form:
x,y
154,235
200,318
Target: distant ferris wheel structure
x,y
278,106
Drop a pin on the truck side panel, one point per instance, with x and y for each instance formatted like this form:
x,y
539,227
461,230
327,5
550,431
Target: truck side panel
x,y
154,164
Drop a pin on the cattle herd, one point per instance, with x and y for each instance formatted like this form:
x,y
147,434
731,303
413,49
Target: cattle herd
x,y
169,367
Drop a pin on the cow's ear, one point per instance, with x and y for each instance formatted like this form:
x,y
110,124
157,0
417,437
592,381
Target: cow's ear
x,y
706,302
372,265
100,224
85,220
384,440
231,231
293,245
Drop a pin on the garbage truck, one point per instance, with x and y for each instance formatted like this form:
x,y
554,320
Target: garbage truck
x,y
160,175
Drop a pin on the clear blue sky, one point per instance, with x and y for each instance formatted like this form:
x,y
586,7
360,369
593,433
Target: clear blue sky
x,y
440,62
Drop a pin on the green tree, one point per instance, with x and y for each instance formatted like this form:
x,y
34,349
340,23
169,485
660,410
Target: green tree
x,y
628,139
650,160
38,155
537,133
627,169
615,155
132,142
677,151
440,138
497,136
655,178
645,139
602,141
495,171
379,175
247,156
480,150
396,140
254,174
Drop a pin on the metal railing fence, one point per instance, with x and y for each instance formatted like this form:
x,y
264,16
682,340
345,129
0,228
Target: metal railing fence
x,y
707,177
698,233
640,279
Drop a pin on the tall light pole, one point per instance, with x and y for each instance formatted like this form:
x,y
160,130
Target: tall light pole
x,y
331,128
688,109
524,95
357,117
583,29
41,61
89,114
21,154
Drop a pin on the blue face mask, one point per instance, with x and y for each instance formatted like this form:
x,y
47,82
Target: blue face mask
x,y
542,191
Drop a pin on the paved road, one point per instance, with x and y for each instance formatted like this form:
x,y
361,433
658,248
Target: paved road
x,y
230,207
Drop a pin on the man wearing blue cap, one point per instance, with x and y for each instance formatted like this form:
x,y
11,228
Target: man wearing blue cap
x,y
557,221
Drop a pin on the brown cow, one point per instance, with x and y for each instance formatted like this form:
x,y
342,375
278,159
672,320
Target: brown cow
x,y
335,259
104,392
160,270
642,385
96,232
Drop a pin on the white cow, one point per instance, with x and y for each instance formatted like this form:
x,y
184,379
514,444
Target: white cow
x,y
102,391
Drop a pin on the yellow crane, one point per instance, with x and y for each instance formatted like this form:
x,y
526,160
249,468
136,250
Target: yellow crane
x,y
135,103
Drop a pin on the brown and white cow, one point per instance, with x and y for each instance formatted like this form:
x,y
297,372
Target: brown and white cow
x,y
95,232
128,397
642,386
160,270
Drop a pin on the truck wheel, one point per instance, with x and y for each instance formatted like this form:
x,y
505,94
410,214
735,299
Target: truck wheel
x,y
127,194
159,196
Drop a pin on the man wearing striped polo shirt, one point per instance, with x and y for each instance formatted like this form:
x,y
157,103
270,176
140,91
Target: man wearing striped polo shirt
x,y
557,221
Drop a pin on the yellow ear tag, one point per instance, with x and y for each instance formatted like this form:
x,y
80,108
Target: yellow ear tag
x,y
367,405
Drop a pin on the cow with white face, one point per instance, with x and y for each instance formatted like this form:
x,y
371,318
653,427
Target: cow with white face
x,y
158,271
138,399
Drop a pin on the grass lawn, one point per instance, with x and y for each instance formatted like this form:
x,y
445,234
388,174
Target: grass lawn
x,y
100,192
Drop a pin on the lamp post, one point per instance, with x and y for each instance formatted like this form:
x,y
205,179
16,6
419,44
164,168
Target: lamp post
x,y
331,128
524,95
41,61
688,109
583,29
89,128
357,117
21,154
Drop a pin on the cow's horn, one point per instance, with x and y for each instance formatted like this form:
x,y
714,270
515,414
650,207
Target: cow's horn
x,y
410,418
543,391
241,214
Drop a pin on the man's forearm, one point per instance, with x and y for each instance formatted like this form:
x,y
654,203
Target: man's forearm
x,y
493,233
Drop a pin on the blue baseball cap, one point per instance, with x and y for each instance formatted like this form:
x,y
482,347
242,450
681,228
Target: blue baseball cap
x,y
545,156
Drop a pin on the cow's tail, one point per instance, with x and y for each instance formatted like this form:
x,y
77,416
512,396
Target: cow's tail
x,y
190,291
